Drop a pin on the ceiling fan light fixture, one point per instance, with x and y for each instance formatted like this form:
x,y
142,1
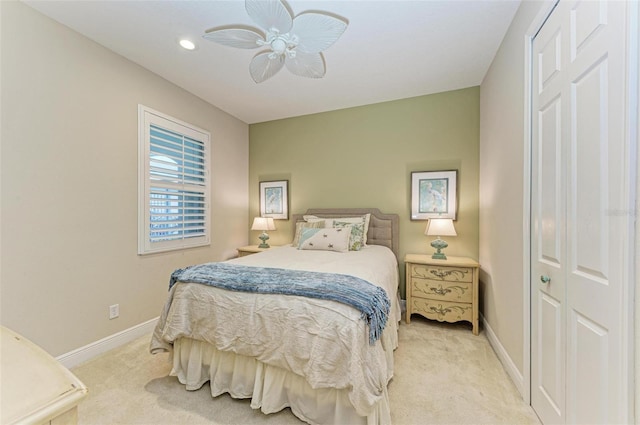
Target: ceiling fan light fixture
x,y
278,46
296,42
187,44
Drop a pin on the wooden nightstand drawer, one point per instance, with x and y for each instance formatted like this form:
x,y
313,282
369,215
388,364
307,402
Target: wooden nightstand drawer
x,y
442,290
447,274
442,311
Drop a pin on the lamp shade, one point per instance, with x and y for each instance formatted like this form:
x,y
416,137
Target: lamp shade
x,y
263,223
440,227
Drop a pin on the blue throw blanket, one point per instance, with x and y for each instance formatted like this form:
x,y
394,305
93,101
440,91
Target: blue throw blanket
x,y
370,300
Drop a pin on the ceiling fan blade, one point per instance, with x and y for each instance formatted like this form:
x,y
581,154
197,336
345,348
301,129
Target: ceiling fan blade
x,y
316,31
235,37
263,67
269,14
310,65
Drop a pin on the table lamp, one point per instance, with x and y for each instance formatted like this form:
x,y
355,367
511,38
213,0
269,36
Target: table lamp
x,y
264,224
440,227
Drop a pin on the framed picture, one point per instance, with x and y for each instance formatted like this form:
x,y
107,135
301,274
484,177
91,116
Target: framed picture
x,y
274,199
433,194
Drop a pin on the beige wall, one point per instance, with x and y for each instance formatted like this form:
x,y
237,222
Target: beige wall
x,y
636,304
69,184
501,186
364,156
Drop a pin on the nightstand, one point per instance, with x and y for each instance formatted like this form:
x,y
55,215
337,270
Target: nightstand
x,y
249,249
443,290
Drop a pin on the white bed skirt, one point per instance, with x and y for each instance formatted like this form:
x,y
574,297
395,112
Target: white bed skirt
x,y
270,388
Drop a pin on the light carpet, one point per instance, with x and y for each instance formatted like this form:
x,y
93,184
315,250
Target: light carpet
x,y
443,375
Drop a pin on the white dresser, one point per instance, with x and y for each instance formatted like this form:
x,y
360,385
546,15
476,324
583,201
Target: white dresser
x,y
36,388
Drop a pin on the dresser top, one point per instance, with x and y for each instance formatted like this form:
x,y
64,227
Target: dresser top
x,y
450,261
35,386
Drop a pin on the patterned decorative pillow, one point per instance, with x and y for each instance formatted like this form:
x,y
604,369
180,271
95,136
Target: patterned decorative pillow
x,y
302,225
328,222
356,238
331,239
312,218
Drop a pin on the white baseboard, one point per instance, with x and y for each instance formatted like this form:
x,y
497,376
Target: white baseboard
x,y
503,356
89,351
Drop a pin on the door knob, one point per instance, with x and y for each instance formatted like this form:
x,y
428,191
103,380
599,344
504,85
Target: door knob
x,y
545,279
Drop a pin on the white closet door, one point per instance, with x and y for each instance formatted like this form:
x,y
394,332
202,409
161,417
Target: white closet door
x,y
580,240
548,234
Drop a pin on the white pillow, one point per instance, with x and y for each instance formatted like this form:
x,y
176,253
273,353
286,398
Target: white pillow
x,y
325,239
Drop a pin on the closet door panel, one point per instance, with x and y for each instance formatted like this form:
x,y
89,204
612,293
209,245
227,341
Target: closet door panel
x,y
580,240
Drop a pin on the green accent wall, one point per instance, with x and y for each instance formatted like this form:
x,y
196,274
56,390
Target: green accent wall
x,y
363,157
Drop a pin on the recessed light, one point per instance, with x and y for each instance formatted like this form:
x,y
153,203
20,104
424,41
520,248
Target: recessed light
x,y
187,44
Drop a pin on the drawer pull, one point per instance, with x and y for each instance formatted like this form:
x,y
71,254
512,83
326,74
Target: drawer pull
x,y
442,311
445,273
444,291
545,279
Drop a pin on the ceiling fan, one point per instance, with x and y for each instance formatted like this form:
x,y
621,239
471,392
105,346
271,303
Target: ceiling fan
x,y
294,42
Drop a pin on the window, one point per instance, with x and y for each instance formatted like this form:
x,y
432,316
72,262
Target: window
x,y
173,183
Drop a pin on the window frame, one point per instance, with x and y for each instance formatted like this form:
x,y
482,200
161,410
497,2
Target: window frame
x,y
146,118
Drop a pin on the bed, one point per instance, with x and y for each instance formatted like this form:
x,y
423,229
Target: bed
x,y
316,356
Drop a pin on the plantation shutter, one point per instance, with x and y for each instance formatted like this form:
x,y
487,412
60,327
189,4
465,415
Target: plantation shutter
x,y
176,184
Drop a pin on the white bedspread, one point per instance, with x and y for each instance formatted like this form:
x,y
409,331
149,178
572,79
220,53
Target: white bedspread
x,y
326,342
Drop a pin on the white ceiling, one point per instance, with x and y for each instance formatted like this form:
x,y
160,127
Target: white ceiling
x,y
391,49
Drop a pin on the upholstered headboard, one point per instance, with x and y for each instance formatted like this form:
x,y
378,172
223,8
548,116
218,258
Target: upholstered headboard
x,y
384,229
